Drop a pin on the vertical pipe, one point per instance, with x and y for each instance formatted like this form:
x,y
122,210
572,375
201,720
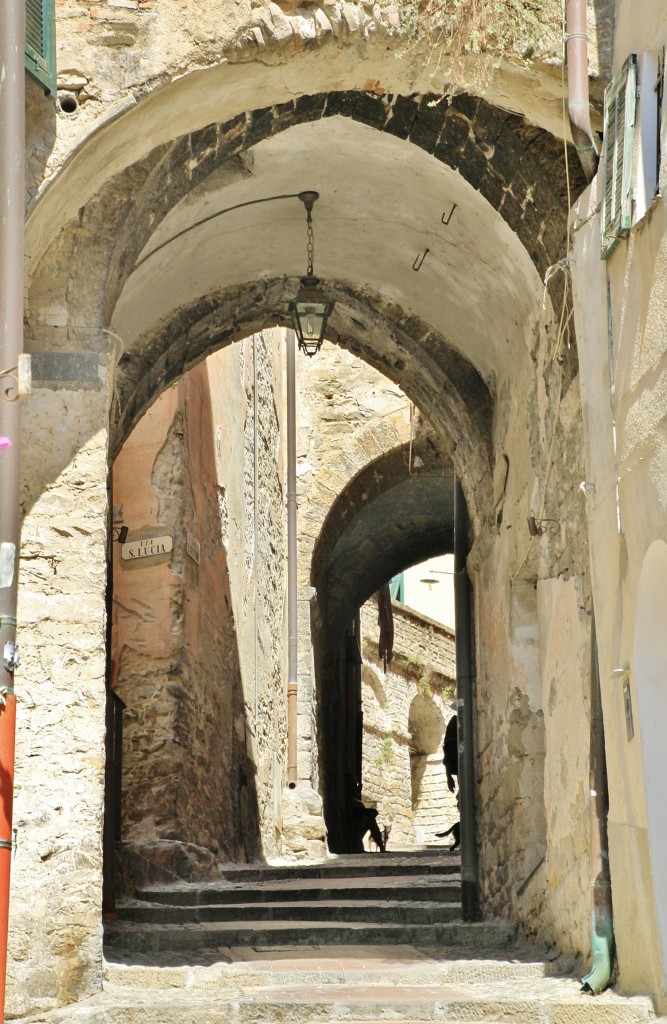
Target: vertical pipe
x,y
465,694
359,710
108,838
602,928
577,87
292,685
12,193
255,484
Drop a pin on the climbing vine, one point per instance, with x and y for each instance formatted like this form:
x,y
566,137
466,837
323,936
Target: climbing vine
x,y
458,29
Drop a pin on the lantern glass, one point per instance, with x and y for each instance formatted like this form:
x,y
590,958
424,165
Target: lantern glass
x,y
310,311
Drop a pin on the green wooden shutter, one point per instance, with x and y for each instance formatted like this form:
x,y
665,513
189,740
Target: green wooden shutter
x,y
619,131
40,42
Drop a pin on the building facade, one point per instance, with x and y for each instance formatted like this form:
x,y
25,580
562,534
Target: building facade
x,y
162,227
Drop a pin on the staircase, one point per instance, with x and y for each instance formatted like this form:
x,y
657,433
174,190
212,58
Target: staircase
x,y
368,938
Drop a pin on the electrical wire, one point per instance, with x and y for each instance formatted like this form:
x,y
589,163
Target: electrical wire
x,y
205,220
566,315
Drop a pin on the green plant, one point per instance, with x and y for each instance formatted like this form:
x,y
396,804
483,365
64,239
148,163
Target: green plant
x,y
423,688
386,755
460,28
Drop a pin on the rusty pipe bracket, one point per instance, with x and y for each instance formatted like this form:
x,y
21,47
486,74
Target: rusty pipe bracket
x,y
419,259
11,657
21,375
446,217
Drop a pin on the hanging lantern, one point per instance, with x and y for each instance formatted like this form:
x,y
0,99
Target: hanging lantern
x,y
311,308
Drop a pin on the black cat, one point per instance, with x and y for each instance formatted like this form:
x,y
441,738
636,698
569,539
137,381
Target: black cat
x,y
455,831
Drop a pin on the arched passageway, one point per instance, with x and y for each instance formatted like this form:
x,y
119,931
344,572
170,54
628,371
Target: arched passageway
x,y
466,337
390,517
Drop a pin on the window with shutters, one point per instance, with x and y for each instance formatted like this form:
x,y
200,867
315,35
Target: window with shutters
x,y
40,42
619,123
650,75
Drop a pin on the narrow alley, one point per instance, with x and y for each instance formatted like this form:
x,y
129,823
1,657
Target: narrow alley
x,y
333,481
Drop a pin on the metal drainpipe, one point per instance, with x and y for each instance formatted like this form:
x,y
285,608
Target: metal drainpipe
x,y
12,193
255,483
602,928
577,87
465,693
292,685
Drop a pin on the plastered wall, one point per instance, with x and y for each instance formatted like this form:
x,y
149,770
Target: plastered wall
x,y
619,307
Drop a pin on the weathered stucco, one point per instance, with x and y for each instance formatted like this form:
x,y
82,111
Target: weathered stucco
x,y
619,307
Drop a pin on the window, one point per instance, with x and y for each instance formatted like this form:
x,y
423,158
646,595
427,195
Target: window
x,y
40,42
619,123
648,118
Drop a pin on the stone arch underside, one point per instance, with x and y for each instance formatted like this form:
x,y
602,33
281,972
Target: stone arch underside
x,y
446,388
515,166
509,172
389,517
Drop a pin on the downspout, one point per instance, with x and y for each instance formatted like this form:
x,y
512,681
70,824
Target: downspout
x,y
602,927
12,193
577,87
255,493
465,693
292,649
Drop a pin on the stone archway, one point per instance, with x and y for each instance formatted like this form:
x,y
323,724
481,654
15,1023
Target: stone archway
x,y
389,516
427,729
470,368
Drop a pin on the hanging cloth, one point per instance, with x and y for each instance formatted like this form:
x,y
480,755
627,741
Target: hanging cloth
x,y
386,624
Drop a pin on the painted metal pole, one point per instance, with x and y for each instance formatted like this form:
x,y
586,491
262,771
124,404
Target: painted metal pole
x,y
12,192
465,694
292,684
579,106
602,923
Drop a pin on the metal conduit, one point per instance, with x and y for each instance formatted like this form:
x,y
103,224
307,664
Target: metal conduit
x,y
465,690
12,192
292,683
578,99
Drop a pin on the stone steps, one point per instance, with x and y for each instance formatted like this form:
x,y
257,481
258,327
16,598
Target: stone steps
x,y
156,938
392,911
378,865
337,966
353,940
365,900
344,889
556,1002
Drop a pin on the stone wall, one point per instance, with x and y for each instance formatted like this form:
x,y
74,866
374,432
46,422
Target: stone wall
x,y
532,761
199,639
55,947
347,413
405,713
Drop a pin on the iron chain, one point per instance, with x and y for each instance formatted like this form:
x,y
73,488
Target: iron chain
x,y
310,246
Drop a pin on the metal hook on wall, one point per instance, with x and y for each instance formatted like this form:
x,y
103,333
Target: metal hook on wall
x,y
419,259
446,219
